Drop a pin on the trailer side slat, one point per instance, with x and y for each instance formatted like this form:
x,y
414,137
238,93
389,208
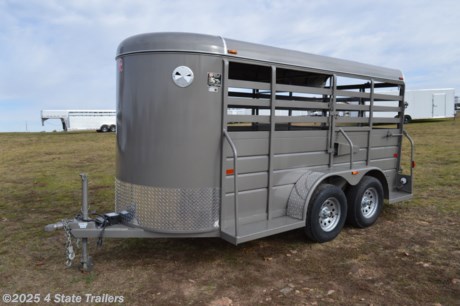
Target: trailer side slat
x,y
248,118
386,120
385,97
354,94
352,107
300,119
352,120
386,108
303,89
248,102
302,104
248,84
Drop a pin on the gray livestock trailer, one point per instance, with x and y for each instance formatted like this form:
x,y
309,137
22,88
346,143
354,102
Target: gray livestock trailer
x,y
189,165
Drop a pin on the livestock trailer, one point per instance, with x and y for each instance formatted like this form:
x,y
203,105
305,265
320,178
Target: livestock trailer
x,y
427,104
222,138
80,120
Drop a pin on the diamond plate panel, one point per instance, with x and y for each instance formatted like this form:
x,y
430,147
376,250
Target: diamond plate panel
x,y
169,210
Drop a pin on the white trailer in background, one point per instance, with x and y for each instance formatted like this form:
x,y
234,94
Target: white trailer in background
x,y
425,104
79,120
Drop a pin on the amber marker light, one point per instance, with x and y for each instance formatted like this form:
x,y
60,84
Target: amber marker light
x,y
230,172
232,51
354,172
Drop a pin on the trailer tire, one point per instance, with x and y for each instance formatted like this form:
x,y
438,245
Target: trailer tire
x,y
407,119
365,202
113,128
104,128
326,213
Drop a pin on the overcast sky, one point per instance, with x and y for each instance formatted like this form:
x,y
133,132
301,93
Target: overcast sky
x,y
59,54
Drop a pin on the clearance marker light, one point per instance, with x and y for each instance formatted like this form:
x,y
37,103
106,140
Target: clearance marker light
x,y
413,164
230,172
354,172
232,51
395,155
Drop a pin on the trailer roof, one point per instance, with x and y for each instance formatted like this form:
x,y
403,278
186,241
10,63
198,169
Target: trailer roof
x,y
200,43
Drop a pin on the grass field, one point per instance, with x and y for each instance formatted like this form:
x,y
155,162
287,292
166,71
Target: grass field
x,y
411,256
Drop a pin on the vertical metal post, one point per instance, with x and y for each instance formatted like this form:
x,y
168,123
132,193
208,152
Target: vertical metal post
x,y
371,124
271,141
84,211
224,127
331,118
401,113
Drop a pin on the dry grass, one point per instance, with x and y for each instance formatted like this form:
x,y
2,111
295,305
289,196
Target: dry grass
x,y
411,256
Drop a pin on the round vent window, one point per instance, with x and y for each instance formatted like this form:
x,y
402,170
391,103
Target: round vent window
x,y
182,76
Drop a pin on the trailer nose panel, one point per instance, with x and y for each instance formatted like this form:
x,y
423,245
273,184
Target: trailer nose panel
x,y
168,143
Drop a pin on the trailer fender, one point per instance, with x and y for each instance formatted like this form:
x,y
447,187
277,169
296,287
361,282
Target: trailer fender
x,y
300,193
307,183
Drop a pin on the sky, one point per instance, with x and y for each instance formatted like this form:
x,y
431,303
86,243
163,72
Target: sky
x,y
60,54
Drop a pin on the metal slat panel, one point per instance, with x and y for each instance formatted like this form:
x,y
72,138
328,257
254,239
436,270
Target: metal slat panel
x,y
386,108
251,204
249,135
247,147
248,84
298,160
299,144
383,152
384,141
354,94
304,89
301,104
358,138
387,97
247,182
248,118
357,157
249,164
386,120
352,107
299,119
352,120
248,102
300,134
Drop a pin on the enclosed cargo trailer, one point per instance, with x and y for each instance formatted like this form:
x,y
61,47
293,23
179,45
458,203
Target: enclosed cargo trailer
x,y
223,138
426,104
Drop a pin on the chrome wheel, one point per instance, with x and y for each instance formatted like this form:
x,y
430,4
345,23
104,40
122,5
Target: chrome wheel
x,y
369,202
329,214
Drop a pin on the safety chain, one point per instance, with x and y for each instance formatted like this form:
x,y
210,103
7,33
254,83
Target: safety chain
x,y
69,251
